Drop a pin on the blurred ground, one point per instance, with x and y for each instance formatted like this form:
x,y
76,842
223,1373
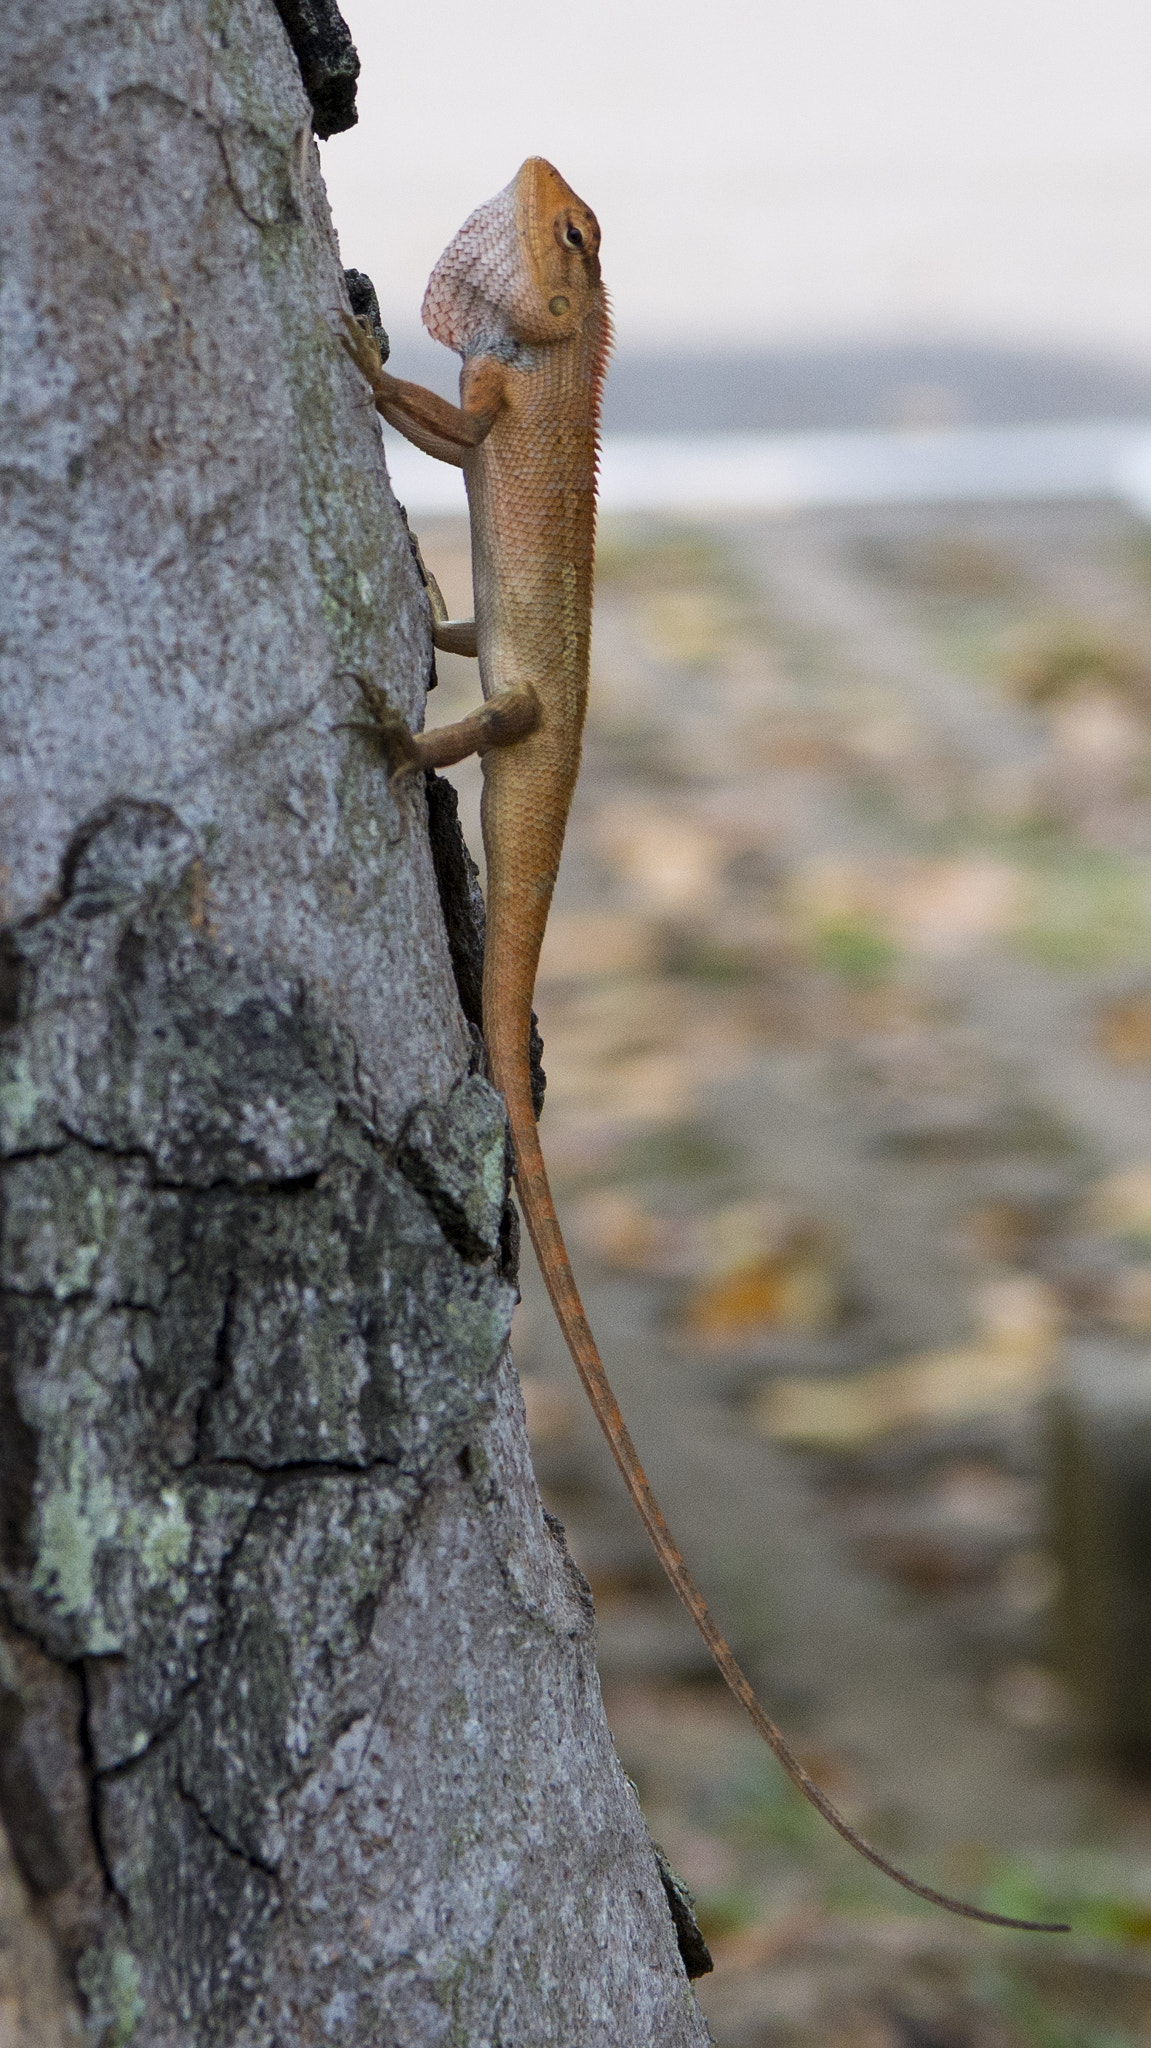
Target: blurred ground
x,y
847,1016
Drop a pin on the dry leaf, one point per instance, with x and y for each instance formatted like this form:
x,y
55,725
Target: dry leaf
x,y
618,1230
1029,1696
793,1289
940,909
1006,1368
671,862
944,908
1123,1030
1120,1206
773,1294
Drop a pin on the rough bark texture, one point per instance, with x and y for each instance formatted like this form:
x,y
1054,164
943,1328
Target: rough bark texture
x,y
300,1732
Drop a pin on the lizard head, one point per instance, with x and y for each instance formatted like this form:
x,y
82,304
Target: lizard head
x,y
523,268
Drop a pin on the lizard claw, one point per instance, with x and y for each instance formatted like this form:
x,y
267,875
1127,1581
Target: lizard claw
x,y
362,348
389,730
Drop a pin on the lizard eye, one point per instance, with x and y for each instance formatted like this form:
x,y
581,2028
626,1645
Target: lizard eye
x,y
573,237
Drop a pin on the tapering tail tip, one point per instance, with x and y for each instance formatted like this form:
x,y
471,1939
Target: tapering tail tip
x,y
559,1279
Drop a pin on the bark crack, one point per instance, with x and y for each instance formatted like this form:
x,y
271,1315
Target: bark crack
x,y
286,1184
221,131
222,1355
299,1468
94,1775
243,1856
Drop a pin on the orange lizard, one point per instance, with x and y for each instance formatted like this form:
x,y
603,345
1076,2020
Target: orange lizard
x,y
518,294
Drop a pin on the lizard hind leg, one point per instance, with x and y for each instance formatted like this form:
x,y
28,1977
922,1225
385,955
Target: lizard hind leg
x,y
454,636
507,716
450,636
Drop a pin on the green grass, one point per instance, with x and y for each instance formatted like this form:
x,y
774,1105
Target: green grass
x,y
1088,908
688,1151
1042,2028
857,950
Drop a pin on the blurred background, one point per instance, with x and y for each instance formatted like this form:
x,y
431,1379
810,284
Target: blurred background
x,y
846,1000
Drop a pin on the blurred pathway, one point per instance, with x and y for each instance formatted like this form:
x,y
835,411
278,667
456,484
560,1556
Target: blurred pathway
x,y
847,1016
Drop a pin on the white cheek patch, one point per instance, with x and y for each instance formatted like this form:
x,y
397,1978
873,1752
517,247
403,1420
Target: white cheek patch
x,y
478,278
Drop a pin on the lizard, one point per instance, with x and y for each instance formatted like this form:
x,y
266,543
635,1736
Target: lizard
x,y
518,294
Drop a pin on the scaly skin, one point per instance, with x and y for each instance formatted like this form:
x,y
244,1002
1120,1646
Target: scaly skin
x,y
518,293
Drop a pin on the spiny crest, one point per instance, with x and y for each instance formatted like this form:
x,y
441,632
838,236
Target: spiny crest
x,y
476,278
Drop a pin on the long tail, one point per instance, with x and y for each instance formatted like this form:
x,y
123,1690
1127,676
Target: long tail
x,y
551,1251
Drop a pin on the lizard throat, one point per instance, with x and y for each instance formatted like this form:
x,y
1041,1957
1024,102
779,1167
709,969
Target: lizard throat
x,y
475,278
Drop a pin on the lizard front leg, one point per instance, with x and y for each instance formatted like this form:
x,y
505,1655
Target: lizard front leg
x,y
441,430
508,716
430,422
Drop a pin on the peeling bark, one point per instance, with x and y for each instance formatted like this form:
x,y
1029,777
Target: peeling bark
x,y
300,1731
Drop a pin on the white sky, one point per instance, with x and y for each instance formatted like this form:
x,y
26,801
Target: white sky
x,y
793,169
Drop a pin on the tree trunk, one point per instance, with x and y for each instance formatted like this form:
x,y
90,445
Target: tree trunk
x,y
300,1732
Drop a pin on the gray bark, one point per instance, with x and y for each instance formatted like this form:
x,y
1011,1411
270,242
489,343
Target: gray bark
x,y
300,1730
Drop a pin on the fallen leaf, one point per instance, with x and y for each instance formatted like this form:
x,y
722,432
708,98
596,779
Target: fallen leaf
x,y
794,1290
1120,1206
1098,735
670,862
757,1265
939,909
1123,1030
1128,1301
1005,1369
1018,1310
942,909
618,1230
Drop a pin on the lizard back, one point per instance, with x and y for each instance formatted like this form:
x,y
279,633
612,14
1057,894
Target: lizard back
x,y
531,489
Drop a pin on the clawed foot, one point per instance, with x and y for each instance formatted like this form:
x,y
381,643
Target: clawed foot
x,y
385,725
361,346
